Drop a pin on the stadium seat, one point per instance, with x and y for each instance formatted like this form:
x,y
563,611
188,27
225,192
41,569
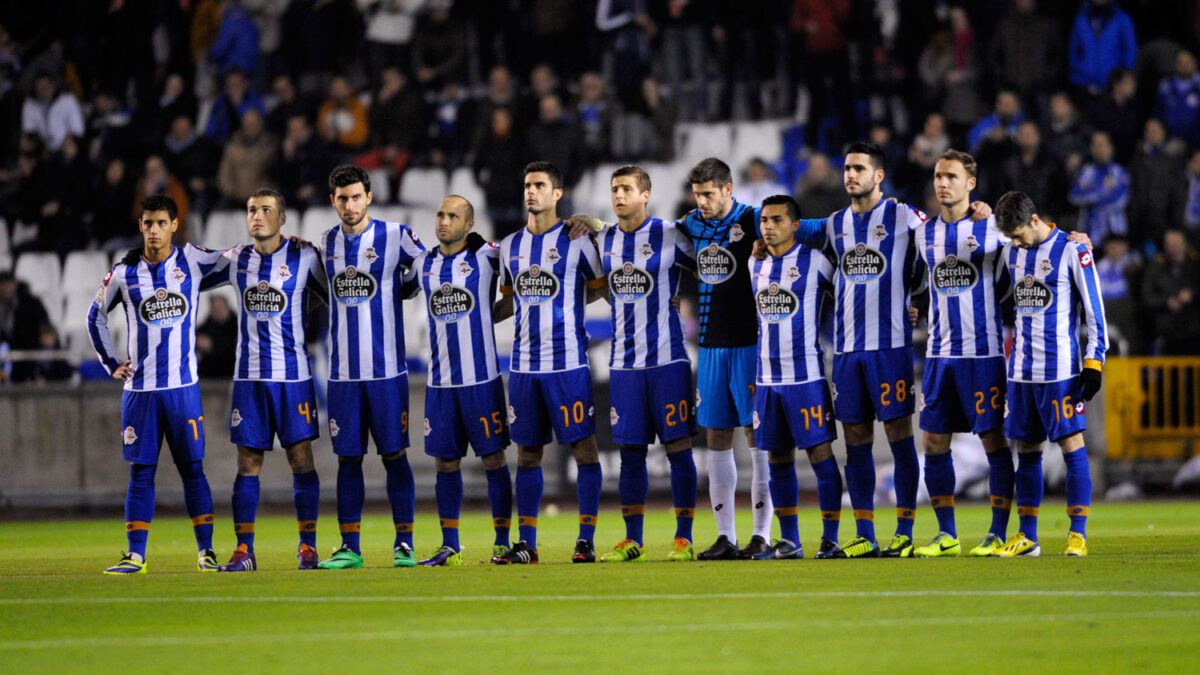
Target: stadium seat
x,y
5,247
756,139
224,229
381,188
41,271
73,330
83,271
423,187
462,183
698,141
315,222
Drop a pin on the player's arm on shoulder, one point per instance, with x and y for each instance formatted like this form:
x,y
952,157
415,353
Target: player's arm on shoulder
x,y
979,210
582,224
1078,237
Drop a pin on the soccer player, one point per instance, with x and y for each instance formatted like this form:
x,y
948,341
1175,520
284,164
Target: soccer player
x,y
1052,279
792,404
273,392
159,286
723,233
546,279
365,262
963,388
464,402
651,377
873,354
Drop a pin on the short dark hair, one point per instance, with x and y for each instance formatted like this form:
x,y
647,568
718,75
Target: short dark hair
x,y
470,207
1014,210
639,174
159,203
878,159
968,162
273,194
793,207
710,169
348,174
548,168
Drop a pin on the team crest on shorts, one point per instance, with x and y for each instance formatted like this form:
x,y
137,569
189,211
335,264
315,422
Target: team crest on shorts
x,y
333,427
921,401
756,422
833,391
736,233
1006,409
428,429
613,417
235,418
512,415
129,436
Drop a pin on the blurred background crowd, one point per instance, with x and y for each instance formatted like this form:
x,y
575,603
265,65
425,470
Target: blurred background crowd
x,y
1091,107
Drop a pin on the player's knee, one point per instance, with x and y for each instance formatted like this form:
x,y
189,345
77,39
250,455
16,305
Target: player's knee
x,y
250,461
351,459
447,465
1023,447
529,457
679,445
820,453
783,456
585,451
994,441
720,439
1071,443
191,470
391,456
935,444
858,434
898,429
494,460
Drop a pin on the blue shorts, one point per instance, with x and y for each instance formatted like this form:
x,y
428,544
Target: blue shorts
x,y
725,386
263,410
790,416
455,416
378,406
962,395
652,401
1035,411
149,416
873,385
543,402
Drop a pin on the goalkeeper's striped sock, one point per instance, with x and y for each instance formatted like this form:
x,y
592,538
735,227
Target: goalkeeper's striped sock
x,y
683,491
1001,476
860,483
1079,489
587,487
829,496
245,503
139,507
939,479
197,497
1029,492
633,486
499,489
306,490
785,496
402,494
907,475
350,497
529,500
449,492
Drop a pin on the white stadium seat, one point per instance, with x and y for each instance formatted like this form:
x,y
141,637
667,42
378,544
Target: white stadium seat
x,y
698,141
423,187
41,271
83,271
755,139
224,229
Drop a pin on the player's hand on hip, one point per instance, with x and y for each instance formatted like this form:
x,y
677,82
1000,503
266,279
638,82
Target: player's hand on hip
x,y
979,210
913,315
1089,383
123,371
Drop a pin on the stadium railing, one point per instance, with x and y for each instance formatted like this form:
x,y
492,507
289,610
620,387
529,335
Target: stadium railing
x,y
1152,407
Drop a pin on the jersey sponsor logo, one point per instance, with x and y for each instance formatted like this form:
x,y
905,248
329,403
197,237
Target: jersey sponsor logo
x,y
536,285
353,286
163,309
920,213
1080,408
954,276
129,436
1032,296
264,301
1085,258
235,418
449,303
715,264
99,301
861,264
629,283
736,233
776,304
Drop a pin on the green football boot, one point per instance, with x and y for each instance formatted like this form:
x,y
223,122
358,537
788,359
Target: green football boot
x,y
901,546
986,546
861,547
681,551
626,551
943,545
402,556
342,559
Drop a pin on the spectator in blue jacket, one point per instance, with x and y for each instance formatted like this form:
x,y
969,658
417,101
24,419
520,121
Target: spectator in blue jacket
x,y
1101,39
1101,191
1179,100
233,102
237,40
1003,121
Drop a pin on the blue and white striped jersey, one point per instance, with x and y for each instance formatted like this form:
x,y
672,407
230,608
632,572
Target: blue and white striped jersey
x,y
366,315
1050,285
160,311
877,269
273,291
789,291
549,274
643,269
965,273
459,292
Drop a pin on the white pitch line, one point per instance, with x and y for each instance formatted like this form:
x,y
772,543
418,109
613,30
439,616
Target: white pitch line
x,y
791,625
814,595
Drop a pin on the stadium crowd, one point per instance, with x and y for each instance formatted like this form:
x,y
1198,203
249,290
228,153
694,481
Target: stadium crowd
x,y
1091,107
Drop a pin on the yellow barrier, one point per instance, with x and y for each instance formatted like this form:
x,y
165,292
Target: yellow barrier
x,y
1152,404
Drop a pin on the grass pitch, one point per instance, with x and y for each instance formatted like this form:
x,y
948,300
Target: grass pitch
x,y
1133,605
